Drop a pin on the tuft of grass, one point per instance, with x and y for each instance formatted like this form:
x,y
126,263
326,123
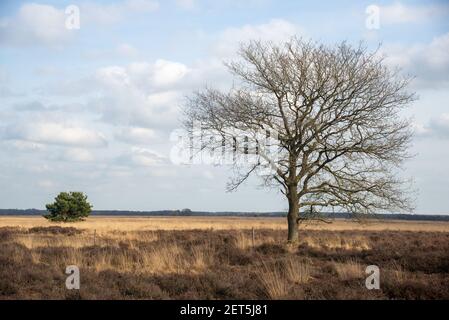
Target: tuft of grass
x,y
244,240
164,259
297,272
397,272
349,270
202,257
273,282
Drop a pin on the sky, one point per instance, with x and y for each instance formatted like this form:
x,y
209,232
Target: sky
x,y
90,104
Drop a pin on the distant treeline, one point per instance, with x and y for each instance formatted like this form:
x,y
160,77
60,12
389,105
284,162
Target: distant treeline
x,y
187,212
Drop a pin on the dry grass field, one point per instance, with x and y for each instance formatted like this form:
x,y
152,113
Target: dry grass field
x,y
217,258
117,223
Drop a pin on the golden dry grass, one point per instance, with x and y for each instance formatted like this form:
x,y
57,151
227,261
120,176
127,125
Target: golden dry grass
x,y
273,282
125,224
296,271
276,279
397,272
224,264
166,258
336,241
244,240
349,270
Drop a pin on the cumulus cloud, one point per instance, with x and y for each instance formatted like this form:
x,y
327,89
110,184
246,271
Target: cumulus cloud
x,y
166,73
134,101
428,62
143,75
437,127
420,129
35,24
148,94
55,133
140,94
45,25
400,13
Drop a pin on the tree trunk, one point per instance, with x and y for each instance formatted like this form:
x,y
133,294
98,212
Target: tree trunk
x,y
293,214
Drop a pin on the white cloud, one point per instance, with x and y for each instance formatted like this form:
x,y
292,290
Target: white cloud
x,y
429,62
420,130
437,127
168,73
113,76
135,135
161,99
78,155
140,94
148,94
35,24
400,13
276,30
45,25
144,75
26,146
440,125
142,157
56,133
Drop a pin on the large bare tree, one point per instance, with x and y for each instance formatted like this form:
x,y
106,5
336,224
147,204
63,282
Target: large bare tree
x,y
335,114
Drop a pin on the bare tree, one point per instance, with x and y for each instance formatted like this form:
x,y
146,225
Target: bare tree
x,y
336,114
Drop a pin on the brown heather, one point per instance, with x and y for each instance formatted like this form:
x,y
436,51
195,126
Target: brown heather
x,y
136,261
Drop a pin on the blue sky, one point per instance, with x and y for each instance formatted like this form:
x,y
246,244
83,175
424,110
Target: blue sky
x,y
92,109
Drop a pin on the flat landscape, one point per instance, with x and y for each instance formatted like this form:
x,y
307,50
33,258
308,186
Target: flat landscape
x,y
134,223
219,258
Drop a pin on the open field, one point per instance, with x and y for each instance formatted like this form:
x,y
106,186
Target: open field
x,y
105,223
217,258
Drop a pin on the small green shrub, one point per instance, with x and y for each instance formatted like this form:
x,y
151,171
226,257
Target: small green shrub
x,y
69,207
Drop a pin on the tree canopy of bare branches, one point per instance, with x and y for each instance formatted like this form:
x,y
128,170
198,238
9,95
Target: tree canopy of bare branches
x,y
336,113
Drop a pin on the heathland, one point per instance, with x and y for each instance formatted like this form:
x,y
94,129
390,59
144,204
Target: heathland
x,y
221,258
